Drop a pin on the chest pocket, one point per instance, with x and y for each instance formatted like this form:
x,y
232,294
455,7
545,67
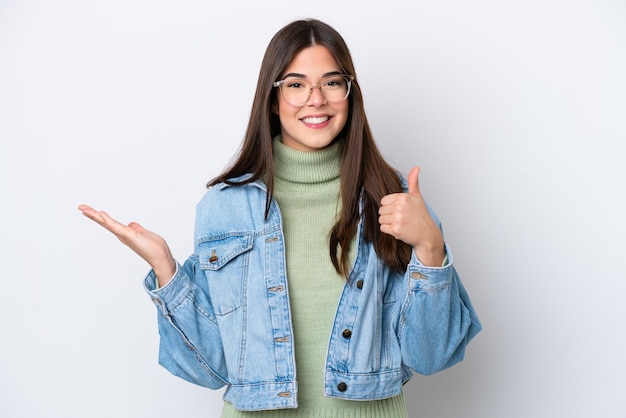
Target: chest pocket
x,y
225,262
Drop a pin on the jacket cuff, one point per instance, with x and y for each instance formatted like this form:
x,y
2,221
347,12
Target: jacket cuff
x,y
422,277
171,295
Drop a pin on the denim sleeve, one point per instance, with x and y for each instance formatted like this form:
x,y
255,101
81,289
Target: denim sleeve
x,y
190,345
437,319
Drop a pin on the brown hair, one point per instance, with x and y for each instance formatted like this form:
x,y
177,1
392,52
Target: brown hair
x,y
365,175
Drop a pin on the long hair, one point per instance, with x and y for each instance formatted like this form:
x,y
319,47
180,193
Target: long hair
x,y
365,176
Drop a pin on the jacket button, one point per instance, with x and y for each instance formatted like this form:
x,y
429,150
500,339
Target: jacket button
x,y
346,333
342,387
359,284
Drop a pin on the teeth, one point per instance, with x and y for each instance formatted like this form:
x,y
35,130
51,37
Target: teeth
x,y
315,120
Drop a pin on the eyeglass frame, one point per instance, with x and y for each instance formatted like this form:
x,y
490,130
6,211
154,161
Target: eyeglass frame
x,y
348,77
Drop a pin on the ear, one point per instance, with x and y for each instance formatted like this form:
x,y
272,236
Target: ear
x,y
274,107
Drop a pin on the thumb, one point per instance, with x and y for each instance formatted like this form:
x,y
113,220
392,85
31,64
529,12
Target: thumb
x,y
412,179
136,227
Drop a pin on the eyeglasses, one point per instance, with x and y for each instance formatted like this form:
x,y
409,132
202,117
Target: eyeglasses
x,y
297,91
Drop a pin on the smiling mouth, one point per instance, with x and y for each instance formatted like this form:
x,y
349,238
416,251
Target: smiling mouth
x,y
315,120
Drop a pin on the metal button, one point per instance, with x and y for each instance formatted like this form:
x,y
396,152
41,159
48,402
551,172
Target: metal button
x,y
342,387
213,257
359,284
346,333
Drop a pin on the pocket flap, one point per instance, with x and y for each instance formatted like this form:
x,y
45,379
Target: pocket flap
x,y
214,253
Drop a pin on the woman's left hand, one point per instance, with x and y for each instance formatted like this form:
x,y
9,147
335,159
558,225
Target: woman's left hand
x,y
405,217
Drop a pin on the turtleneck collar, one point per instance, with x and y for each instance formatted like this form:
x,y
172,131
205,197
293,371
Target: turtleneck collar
x,y
302,167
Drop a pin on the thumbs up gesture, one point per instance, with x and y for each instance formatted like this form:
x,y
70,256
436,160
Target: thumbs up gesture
x,y
405,217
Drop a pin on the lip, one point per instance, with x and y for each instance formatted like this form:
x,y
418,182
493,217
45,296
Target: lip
x,y
316,121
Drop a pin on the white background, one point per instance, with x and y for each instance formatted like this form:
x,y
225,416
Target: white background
x,y
514,110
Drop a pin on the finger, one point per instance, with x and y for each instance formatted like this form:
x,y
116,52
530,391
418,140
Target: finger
x,y
413,180
91,213
116,227
85,208
388,199
388,229
136,227
388,219
104,220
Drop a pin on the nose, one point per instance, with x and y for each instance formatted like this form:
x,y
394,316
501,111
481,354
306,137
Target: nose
x,y
317,98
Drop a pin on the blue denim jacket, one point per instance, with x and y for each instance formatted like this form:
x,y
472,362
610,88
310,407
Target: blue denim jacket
x,y
224,318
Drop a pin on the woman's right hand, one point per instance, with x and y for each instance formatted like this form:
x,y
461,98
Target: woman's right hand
x,y
148,245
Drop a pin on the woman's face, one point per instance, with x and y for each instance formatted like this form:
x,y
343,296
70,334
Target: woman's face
x,y
317,123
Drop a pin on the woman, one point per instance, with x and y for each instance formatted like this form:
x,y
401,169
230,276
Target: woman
x,y
320,277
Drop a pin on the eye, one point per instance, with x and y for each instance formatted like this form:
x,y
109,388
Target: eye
x,y
334,82
295,84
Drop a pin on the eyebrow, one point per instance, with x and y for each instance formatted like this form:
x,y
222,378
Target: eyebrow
x,y
298,75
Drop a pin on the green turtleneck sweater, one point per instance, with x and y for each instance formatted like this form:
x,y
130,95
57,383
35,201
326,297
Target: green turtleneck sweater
x,y
306,187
